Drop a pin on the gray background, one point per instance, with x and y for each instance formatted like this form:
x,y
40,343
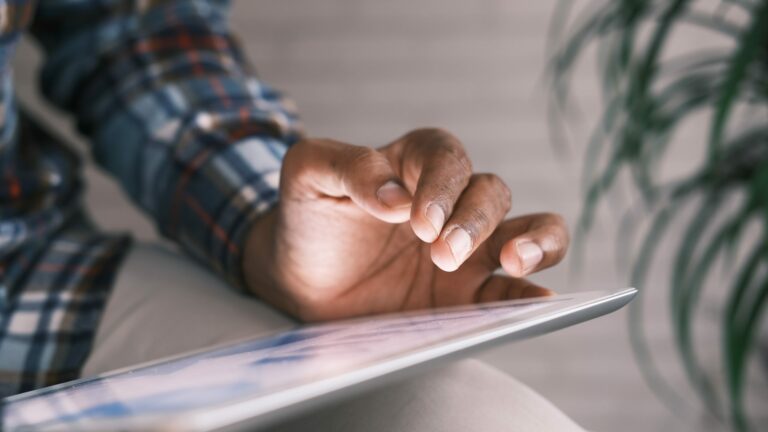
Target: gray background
x,y
366,71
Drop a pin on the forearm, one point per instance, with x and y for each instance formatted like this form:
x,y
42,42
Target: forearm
x,y
175,113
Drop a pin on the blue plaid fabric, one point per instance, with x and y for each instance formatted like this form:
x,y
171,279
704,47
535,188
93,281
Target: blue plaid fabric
x,y
173,111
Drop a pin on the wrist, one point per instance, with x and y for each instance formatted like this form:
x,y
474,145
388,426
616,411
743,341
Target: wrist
x,y
261,264
257,261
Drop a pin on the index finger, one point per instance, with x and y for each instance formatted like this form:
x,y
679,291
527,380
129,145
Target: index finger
x,y
436,169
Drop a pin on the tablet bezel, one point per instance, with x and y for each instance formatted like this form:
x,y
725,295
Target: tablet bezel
x,y
262,411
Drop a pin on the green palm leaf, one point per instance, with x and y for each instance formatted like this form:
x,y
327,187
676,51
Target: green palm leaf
x,y
752,41
647,96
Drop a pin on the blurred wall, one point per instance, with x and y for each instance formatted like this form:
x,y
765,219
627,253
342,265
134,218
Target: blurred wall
x,y
367,71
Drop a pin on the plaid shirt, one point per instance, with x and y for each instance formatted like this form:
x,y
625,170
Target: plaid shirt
x,y
172,110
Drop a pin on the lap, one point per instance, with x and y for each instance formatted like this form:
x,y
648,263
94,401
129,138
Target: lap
x,y
164,304
468,395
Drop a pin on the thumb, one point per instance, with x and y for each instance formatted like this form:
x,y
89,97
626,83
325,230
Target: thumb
x,y
315,168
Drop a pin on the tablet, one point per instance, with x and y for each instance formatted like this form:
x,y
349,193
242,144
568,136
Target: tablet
x,y
256,382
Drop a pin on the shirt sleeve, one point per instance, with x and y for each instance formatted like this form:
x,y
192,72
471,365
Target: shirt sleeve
x,y
174,112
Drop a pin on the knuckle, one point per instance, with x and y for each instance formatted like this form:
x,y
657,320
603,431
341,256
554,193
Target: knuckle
x,y
445,192
362,157
444,143
480,218
501,192
347,170
457,155
363,162
432,133
478,222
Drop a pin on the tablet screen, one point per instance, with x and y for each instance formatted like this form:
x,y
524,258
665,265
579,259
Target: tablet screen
x,y
260,369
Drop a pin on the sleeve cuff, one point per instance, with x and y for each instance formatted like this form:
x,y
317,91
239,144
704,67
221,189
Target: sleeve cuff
x,y
211,214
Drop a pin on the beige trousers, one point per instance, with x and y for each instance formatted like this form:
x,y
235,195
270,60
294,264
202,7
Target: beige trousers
x,y
164,303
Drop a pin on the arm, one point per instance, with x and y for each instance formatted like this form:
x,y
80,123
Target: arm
x,y
174,112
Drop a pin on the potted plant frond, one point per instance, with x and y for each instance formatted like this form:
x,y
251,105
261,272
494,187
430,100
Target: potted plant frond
x,y
648,95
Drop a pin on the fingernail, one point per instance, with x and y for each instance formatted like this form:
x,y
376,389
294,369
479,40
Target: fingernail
x,y
530,255
393,195
460,243
436,217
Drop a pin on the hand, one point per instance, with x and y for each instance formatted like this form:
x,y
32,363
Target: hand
x,y
338,243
